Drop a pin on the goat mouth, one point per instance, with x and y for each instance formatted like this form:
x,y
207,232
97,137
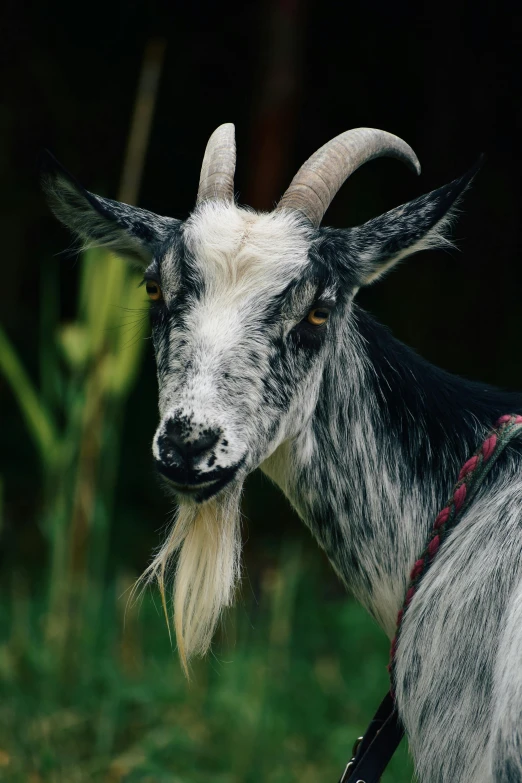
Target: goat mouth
x,y
198,488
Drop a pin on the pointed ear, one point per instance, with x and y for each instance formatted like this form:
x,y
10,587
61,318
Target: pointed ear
x,y
376,246
101,222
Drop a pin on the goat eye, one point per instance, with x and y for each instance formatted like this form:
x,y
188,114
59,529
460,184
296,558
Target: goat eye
x,y
153,291
318,316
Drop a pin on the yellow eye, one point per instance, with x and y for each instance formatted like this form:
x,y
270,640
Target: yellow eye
x,y
318,316
153,291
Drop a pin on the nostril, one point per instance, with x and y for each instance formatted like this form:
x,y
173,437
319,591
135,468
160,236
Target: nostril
x,y
205,443
180,440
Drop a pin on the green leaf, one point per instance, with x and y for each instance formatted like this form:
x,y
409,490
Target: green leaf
x,y
37,417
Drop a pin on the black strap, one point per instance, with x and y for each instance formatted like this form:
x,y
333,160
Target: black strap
x,y
376,747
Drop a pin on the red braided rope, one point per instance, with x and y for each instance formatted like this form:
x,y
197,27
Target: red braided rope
x,y
470,478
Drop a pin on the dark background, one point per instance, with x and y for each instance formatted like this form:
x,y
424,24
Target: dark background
x,y
290,75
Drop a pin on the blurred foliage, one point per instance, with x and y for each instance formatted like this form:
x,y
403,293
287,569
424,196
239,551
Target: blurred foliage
x,y
291,682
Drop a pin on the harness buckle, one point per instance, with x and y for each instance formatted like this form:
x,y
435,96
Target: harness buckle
x,y
351,763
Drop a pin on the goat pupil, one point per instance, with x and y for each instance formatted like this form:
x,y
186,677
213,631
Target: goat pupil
x,y
318,316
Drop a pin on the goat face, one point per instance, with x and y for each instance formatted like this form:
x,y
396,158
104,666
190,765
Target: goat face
x,y
238,332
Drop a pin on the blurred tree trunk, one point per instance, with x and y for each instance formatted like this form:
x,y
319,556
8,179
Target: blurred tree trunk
x,y
274,116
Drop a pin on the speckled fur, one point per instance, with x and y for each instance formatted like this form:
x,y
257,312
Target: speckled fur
x,y
363,436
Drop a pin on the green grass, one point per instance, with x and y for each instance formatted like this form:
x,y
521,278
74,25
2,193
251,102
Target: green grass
x,y
292,680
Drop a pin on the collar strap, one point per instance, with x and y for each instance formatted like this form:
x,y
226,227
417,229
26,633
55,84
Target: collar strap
x,y
372,752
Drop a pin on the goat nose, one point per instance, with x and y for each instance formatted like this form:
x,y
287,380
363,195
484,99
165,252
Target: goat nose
x,y
186,446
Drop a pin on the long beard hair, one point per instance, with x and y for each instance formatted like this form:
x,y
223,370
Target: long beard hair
x,y
206,538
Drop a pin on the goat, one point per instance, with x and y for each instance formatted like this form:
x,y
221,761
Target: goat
x,y
265,360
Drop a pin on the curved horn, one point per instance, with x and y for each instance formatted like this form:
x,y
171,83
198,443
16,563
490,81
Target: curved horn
x,y
318,180
217,172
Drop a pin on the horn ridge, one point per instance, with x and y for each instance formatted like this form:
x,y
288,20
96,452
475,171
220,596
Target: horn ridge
x,y
318,180
216,181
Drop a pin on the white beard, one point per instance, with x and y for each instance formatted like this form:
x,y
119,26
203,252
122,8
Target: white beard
x,y
208,539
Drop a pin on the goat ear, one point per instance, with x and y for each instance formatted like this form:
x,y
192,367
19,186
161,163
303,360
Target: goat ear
x,y
101,222
379,244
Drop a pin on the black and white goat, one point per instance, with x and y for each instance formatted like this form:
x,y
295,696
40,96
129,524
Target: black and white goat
x,y
264,360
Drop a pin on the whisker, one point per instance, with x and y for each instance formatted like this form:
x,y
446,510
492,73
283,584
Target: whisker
x,y
133,340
